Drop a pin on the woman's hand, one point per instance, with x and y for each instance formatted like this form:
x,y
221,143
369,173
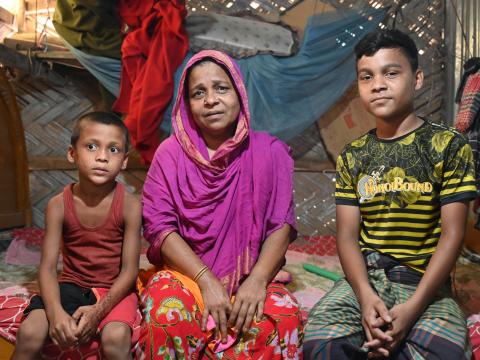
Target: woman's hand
x,y
249,300
217,303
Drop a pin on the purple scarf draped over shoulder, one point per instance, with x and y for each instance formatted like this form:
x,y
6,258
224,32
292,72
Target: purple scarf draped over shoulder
x,y
223,207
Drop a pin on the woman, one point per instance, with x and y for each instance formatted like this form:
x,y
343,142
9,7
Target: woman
x,y
218,214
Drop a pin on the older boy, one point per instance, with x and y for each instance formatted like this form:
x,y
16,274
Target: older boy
x,y
97,224
401,192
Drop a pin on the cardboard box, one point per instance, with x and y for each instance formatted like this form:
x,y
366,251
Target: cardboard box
x,y
344,122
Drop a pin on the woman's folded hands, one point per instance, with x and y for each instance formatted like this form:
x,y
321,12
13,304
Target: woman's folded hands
x,y
247,303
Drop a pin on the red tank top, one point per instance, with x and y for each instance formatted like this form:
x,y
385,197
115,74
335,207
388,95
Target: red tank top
x,y
92,257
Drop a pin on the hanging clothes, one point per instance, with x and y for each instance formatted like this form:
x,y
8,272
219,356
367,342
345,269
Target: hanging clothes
x,y
469,101
286,95
150,55
468,117
106,70
470,67
91,26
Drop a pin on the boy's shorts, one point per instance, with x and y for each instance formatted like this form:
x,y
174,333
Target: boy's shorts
x,y
73,296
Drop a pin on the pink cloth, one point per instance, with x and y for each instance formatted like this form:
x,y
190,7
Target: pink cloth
x,y
218,346
25,246
474,333
315,245
19,253
11,314
224,207
33,236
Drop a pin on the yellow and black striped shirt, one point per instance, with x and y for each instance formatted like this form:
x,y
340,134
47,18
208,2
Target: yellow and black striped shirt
x,y
400,186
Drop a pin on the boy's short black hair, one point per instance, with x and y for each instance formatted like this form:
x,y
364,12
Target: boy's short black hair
x,y
388,39
101,117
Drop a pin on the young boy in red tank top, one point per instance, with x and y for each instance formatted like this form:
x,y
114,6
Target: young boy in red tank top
x,y
97,225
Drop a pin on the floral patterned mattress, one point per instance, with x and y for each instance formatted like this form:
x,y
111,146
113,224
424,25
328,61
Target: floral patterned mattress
x,y
18,282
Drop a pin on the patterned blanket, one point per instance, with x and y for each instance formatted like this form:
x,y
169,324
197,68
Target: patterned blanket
x,y
18,282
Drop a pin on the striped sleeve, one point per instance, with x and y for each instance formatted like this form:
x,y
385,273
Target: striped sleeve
x,y
344,188
458,181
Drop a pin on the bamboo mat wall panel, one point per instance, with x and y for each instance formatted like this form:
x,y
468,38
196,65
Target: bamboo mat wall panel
x,y
44,185
424,21
314,203
48,113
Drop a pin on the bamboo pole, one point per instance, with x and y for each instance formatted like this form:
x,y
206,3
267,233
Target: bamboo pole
x,y
21,16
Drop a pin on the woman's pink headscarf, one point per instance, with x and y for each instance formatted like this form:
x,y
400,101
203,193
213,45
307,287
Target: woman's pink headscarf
x,y
223,207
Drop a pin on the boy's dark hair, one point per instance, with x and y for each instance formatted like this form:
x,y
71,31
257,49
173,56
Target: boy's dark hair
x,y
388,39
100,117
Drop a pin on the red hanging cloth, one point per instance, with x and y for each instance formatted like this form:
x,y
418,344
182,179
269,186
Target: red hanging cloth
x,y
151,53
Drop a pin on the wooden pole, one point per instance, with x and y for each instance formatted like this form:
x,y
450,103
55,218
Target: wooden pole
x,y
21,16
37,69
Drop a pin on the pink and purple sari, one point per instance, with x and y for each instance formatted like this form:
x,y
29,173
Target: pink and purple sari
x,y
224,207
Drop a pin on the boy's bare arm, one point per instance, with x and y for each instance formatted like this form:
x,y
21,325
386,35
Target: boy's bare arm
x,y
374,312
353,265
454,216
90,316
62,325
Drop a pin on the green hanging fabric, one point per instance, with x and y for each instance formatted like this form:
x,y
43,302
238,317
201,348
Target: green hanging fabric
x,y
92,26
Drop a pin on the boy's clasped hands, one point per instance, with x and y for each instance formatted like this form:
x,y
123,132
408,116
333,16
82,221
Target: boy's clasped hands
x,y
385,329
67,331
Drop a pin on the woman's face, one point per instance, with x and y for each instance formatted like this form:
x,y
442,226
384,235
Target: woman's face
x,y
213,101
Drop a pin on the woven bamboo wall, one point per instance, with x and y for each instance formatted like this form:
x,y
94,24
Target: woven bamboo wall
x,y
423,20
48,113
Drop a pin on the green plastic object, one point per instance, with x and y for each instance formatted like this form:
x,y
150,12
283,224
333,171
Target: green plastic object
x,y
322,272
